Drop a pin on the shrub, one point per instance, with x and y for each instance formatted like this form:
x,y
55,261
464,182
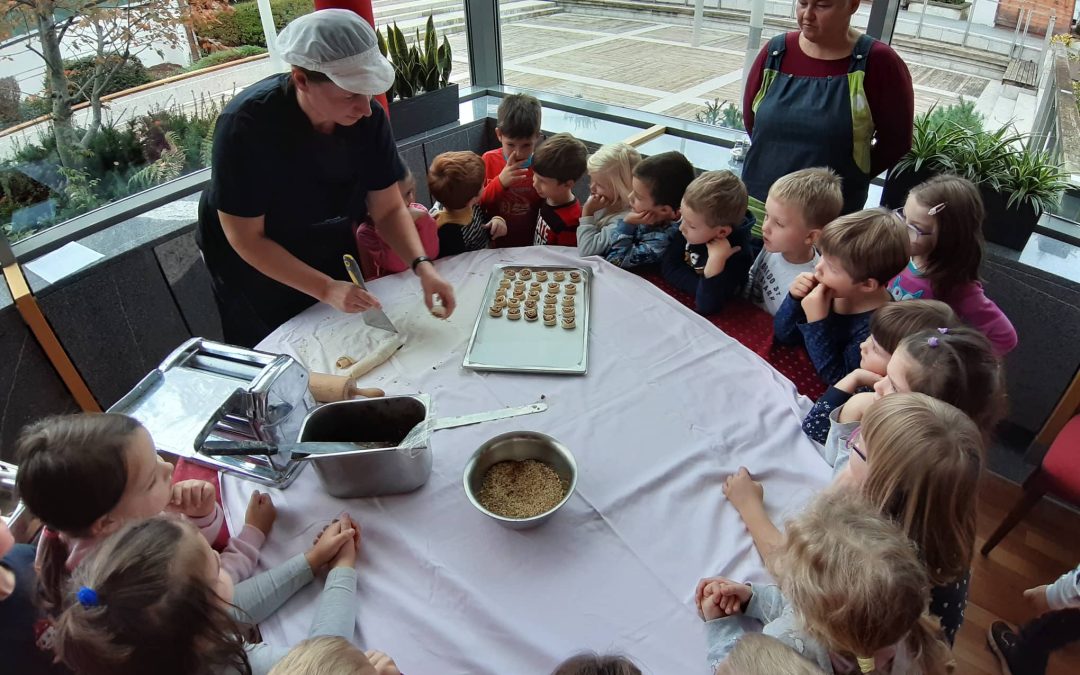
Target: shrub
x,y
961,114
225,56
721,115
242,25
130,73
33,107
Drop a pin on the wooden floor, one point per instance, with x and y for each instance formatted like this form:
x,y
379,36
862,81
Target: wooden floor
x,y
1037,551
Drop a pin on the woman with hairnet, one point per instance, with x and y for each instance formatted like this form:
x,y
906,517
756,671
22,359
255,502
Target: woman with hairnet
x,y
298,158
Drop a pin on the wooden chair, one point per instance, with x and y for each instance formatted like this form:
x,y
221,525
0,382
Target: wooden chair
x,y
1059,472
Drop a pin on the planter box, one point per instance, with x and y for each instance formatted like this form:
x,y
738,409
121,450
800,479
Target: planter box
x,y
412,116
1008,227
896,187
958,12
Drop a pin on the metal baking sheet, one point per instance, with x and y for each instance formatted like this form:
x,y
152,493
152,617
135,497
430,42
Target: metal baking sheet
x,y
500,344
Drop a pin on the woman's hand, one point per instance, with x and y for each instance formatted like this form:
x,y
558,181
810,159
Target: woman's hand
x,y
347,297
743,491
434,284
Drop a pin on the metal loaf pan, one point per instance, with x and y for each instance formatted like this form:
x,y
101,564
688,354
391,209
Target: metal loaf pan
x,y
368,473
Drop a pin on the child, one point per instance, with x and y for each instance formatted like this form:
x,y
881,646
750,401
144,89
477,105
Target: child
x,y
852,595
19,615
757,654
658,186
594,664
1057,623
955,365
707,255
557,165
944,217
86,475
376,256
154,599
889,325
797,207
455,180
829,311
333,656
508,188
611,175
918,460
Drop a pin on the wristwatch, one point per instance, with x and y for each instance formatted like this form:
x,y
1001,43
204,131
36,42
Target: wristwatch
x,y
418,260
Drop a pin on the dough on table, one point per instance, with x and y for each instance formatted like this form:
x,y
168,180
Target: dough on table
x,y
342,344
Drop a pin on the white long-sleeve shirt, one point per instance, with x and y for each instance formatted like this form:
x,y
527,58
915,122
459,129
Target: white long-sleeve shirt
x,y
1065,592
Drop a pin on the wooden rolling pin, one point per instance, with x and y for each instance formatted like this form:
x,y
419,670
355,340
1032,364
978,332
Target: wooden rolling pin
x,y
329,388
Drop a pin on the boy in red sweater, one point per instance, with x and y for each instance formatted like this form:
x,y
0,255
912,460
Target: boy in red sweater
x,y
508,188
557,165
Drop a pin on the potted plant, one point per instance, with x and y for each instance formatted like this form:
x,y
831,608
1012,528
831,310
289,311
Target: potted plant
x,y
931,142
421,97
1030,183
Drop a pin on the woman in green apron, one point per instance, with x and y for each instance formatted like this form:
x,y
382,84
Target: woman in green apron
x,y
826,95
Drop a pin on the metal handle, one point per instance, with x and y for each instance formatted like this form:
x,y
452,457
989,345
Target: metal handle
x,y
231,448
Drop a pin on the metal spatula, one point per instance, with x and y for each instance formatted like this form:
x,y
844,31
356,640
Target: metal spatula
x,y
374,317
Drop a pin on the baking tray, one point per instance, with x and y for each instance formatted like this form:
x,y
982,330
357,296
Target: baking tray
x,y
499,344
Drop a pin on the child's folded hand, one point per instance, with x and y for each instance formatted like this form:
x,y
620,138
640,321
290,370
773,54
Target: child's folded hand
x,y
803,284
717,597
193,498
640,218
742,490
594,203
261,512
384,665
330,542
817,304
496,226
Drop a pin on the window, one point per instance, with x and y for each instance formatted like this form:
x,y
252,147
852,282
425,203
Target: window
x,y
141,121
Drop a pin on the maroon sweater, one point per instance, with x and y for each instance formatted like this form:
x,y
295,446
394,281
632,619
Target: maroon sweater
x,y
888,91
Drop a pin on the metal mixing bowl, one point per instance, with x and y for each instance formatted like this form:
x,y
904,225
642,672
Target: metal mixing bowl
x,y
518,446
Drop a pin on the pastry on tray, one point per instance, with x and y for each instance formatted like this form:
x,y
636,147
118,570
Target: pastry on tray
x,y
541,275
525,274
549,320
568,310
514,303
514,313
575,276
496,311
531,315
568,322
568,300
560,276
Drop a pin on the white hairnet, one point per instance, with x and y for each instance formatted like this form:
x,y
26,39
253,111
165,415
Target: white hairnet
x,y
341,45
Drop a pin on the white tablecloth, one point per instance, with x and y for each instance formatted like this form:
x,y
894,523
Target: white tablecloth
x,y
669,407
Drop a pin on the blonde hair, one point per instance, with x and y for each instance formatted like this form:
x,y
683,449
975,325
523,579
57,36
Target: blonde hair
x,y
757,654
857,583
869,244
719,196
814,192
617,162
923,471
324,656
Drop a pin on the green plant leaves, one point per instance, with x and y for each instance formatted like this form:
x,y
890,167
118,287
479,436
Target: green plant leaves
x,y
1002,160
421,67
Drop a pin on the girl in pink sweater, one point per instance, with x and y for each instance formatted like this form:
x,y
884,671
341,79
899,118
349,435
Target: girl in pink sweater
x,y
944,217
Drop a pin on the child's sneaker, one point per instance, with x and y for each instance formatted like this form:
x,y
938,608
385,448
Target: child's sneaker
x,y
1005,644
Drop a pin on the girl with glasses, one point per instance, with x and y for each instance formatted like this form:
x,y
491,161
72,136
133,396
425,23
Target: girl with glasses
x,y
944,219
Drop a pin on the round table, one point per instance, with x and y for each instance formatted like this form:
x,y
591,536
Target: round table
x,y
670,406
